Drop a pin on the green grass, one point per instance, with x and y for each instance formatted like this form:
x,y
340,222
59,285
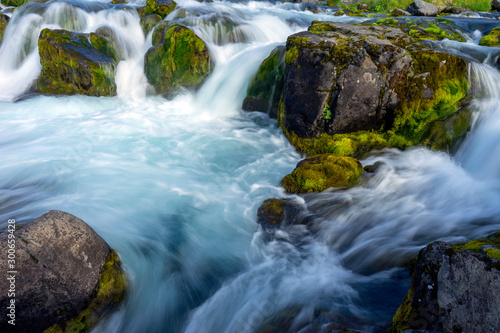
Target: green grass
x,y
384,6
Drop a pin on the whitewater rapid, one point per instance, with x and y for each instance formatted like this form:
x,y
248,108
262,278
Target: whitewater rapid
x,y
174,186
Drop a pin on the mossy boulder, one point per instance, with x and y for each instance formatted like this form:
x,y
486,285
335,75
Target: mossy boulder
x,y
489,245
159,7
148,22
275,213
159,32
445,134
4,20
67,276
14,3
104,40
181,60
453,290
72,65
350,88
422,8
491,39
264,91
317,173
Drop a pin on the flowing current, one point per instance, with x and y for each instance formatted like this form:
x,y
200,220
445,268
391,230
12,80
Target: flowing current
x,y
174,186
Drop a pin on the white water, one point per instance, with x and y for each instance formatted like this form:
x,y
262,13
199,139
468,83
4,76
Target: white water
x,y
174,186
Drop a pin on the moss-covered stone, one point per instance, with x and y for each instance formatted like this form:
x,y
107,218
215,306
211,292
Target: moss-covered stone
x,y
317,173
404,89
159,7
491,39
71,65
489,245
14,3
159,31
4,20
349,12
110,291
444,134
148,22
182,60
264,91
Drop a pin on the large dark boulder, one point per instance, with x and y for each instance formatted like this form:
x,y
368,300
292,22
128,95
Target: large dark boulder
x,y
65,275
422,8
264,91
72,65
453,290
182,60
4,20
360,86
495,5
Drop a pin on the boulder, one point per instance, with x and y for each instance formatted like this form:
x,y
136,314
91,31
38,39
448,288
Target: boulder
x,y
264,91
14,3
492,39
182,60
317,173
447,133
159,7
71,65
495,5
399,12
66,276
357,86
4,20
422,8
105,40
275,213
159,31
148,22
452,290
454,10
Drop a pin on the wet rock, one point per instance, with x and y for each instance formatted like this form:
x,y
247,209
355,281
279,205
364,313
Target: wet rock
x,y
495,5
264,91
275,213
148,22
318,173
362,6
399,12
373,168
67,276
159,31
422,8
446,134
348,87
182,60
452,290
14,3
105,40
159,7
71,65
454,10
4,20
492,39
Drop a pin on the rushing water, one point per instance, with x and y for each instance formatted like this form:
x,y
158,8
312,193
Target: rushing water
x,y
174,186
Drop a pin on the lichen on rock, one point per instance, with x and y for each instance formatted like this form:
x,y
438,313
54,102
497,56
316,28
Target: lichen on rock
x,y
491,39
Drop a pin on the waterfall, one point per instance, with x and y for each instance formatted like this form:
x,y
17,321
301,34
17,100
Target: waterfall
x,y
174,185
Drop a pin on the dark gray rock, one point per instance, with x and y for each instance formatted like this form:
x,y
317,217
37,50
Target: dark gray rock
x,y
59,261
452,290
495,5
264,91
399,12
454,10
275,213
422,8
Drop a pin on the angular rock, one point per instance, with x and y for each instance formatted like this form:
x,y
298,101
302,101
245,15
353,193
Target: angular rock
x,y
355,83
104,40
399,12
318,173
264,91
452,290
181,60
492,39
4,20
71,65
148,22
274,213
422,8
66,275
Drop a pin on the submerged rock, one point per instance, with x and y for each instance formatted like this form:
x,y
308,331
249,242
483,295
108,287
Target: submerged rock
x,y
452,290
4,20
264,91
182,60
67,276
491,39
275,213
71,65
318,173
148,22
349,88
422,8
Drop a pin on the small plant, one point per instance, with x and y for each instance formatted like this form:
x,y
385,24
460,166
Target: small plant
x,y
327,114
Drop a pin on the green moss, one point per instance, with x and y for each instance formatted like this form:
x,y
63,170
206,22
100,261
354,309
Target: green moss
x,y
317,173
489,246
159,7
291,55
400,319
104,45
349,12
272,211
110,291
182,60
148,22
14,3
387,22
4,20
491,39
159,31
